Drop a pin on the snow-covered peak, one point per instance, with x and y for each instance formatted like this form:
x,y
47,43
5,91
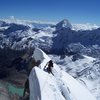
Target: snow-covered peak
x,y
61,86
63,24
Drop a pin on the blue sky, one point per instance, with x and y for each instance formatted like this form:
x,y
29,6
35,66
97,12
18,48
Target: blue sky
x,y
77,11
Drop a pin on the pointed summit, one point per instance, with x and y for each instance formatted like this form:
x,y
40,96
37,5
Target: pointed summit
x,y
63,24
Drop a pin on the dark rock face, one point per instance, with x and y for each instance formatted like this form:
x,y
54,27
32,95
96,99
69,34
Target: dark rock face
x,y
7,56
63,24
3,73
15,66
12,61
66,36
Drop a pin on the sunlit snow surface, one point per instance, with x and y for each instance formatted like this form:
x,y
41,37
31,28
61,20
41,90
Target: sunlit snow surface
x,y
61,86
86,71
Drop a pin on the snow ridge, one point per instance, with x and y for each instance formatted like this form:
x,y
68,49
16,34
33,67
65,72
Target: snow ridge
x,y
61,86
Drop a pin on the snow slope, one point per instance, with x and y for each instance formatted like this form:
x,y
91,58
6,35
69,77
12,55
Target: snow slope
x,y
61,86
85,70
43,86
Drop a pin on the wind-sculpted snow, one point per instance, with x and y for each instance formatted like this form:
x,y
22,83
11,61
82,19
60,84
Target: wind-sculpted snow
x,y
61,86
43,86
85,70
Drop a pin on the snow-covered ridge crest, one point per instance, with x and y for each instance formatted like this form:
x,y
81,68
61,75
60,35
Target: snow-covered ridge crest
x,y
61,86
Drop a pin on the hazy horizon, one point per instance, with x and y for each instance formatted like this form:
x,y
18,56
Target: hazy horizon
x,y
76,11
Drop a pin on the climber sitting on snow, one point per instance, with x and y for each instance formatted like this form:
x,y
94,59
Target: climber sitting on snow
x,y
50,66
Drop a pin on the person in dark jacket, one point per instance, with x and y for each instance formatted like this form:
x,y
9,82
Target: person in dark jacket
x,y
50,66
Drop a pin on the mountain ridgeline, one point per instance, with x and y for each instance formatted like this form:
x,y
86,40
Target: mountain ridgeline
x,y
50,38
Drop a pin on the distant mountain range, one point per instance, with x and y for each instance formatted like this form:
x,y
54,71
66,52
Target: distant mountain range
x,y
55,38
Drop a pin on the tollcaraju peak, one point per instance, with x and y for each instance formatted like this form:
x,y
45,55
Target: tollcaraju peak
x,y
63,24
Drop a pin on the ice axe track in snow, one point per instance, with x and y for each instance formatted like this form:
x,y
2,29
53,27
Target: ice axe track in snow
x,y
61,86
